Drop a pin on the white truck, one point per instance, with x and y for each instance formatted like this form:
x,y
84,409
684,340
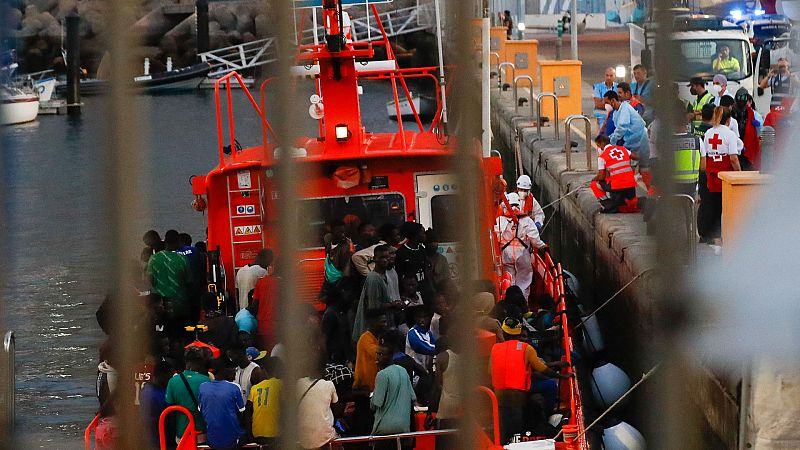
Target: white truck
x,y
699,39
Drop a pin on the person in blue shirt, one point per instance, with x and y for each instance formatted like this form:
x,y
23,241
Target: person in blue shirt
x,y
600,89
153,401
642,90
420,342
222,405
246,318
630,128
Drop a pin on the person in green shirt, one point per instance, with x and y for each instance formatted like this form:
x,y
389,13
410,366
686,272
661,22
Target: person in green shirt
x,y
184,389
170,276
392,400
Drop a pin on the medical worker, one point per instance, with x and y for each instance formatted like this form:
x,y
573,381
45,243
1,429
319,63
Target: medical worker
x,y
518,237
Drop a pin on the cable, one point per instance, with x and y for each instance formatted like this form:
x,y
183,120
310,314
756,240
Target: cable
x,y
586,319
581,186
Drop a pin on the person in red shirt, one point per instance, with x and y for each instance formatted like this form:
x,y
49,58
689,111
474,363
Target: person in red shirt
x,y
266,293
615,184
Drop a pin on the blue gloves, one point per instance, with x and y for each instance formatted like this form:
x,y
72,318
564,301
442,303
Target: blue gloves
x,y
755,123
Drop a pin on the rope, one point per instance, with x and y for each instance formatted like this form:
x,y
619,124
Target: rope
x,y
581,186
586,319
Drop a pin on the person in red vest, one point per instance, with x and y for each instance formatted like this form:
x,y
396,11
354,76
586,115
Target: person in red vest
x,y
615,184
748,133
720,153
626,95
511,364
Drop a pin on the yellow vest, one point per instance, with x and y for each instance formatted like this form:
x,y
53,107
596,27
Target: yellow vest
x,y
687,158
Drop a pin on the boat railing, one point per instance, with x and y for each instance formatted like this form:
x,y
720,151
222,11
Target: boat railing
x,y
9,390
233,145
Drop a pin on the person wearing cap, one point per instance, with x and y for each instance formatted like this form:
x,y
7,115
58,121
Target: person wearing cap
x,y
518,236
719,88
238,355
747,129
511,365
530,206
724,62
697,87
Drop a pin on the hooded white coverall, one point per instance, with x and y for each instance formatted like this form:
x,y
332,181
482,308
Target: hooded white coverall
x,y
517,242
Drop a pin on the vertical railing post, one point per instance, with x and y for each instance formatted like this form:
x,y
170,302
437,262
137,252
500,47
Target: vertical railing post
x,y
500,72
539,112
516,97
568,139
9,387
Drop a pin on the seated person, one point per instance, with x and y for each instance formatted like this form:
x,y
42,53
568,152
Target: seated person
x,y
615,184
724,62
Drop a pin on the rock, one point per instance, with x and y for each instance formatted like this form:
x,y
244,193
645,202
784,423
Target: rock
x,y
223,15
48,19
65,7
214,27
31,11
244,23
32,24
44,5
235,37
248,37
262,25
169,45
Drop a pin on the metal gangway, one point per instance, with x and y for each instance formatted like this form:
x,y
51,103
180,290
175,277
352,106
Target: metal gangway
x,y
363,29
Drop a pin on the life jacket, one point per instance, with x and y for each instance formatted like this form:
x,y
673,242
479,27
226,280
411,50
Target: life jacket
x,y
715,163
618,166
509,370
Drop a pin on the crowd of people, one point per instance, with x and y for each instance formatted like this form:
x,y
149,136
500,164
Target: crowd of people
x,y
381,346
721,132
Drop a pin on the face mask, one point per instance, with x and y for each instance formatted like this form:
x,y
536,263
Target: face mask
x,y
522,194
715,90
609,107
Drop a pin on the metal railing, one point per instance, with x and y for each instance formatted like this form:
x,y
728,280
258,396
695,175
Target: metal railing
x,y
530,93
568,139
500,73
496,55
9,404
395,437
539,112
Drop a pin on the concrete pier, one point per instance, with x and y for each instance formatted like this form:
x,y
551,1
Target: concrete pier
x,y
605,251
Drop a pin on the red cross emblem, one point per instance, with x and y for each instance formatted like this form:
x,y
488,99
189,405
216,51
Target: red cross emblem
x,y
715,141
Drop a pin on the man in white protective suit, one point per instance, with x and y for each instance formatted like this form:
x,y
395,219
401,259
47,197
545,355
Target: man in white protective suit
x,y
518,238
530,206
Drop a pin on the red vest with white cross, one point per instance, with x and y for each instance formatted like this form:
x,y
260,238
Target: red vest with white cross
x,y
715,163
618,166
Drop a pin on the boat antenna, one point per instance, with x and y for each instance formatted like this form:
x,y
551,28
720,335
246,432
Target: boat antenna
x,y
442,82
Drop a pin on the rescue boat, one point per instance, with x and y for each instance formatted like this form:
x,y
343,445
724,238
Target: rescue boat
x,y
356,175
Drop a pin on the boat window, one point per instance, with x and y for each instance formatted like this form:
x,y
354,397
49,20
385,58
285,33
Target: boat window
x,y
314,214
698,55
444,218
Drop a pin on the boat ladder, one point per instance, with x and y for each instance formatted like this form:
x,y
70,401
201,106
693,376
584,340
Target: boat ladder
x,y
364,29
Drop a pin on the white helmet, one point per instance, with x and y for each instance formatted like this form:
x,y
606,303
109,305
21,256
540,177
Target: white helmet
x,y
513,201
524,182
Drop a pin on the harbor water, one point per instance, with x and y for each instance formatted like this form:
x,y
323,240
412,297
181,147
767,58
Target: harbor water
x,y
57,246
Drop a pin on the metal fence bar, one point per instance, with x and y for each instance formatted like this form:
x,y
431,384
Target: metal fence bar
x,y
568,139
539,112
530,93
501,72
9,387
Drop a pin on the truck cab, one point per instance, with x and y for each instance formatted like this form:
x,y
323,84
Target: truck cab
x,y
700,39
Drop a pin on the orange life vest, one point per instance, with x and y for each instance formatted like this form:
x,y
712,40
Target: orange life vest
x,y
509,370
618,166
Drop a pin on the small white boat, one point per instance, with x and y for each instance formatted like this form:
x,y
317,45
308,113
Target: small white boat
x,y
17,105
425,106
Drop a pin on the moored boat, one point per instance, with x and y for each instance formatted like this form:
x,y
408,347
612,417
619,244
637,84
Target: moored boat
x,y
17,106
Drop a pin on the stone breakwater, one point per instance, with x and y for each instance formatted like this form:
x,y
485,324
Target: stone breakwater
x,y
164,28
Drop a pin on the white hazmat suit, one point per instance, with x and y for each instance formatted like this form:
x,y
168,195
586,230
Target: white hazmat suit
x,y
517,241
